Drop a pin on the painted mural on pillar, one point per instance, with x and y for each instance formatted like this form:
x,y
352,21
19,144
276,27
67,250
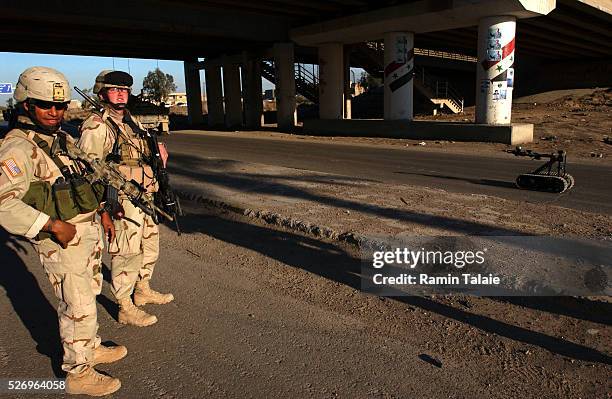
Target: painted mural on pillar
x,y
401,70
498,64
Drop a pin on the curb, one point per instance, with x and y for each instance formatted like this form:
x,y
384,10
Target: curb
x,y
276,219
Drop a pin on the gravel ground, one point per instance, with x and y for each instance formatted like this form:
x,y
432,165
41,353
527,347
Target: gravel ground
x,y
265,312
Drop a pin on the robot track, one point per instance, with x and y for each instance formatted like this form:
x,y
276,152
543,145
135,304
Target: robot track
x,y
546,183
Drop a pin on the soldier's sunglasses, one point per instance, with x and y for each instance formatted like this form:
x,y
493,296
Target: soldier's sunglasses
x,y
49,104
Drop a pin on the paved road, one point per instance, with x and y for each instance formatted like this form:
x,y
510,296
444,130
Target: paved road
x,y
452,172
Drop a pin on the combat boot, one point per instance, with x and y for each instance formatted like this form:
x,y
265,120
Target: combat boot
x,y
144,294
130,314
90,382
108,354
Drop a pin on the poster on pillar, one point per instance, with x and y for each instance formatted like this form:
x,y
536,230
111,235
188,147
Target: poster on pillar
x,y
510,77
499,91
401,50
484,85
495,72
494,44
494,55
495,33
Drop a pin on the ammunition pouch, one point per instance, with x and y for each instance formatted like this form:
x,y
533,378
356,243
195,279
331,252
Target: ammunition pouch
x,y
99,190
84,195
65,202
39,196
64,199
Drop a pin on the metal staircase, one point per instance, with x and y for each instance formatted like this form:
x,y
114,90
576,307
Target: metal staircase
x,y
370,55
439,92
306,81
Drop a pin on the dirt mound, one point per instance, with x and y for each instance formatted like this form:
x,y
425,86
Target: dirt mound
x,y
599,98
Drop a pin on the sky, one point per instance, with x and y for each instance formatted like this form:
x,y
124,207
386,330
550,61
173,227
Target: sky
x,y
81,71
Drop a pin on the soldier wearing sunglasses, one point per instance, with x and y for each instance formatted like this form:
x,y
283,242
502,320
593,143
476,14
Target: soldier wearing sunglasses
x,y
44,197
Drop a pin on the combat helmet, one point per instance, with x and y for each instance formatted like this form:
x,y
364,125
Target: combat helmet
x,y
42,83
108,78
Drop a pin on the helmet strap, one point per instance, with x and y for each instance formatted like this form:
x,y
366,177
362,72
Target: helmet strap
x,y
117,107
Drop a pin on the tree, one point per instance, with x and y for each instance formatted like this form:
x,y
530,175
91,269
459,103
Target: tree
x,y
368,81
9,103
158,85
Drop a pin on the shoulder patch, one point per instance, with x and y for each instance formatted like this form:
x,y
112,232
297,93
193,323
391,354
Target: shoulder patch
x,y
11,167
97,118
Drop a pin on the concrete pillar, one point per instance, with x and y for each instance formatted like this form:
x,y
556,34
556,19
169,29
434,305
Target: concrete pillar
x,y
348,98
232,95
194,92
253,101
214,96
285,86
331,81
399,73
495,70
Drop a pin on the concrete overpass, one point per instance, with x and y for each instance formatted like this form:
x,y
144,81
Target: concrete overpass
x,y
238,33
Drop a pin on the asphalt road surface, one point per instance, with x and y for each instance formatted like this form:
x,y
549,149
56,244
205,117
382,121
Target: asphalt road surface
x,y
453,172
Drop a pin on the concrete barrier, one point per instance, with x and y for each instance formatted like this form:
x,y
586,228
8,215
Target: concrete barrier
x,y
516,133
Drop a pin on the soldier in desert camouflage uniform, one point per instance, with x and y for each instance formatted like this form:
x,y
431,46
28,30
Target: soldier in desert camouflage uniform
x,y
37,186
135,249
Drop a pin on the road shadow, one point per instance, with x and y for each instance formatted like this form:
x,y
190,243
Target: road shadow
x,y
339,264
192,167
28,300
482,182
577,308
107,303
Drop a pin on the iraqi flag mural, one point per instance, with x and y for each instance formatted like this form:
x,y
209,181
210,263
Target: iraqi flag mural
x,y
398,74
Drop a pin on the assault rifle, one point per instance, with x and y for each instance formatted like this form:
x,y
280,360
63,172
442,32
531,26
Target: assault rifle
x,y
165,198
98,108
107,174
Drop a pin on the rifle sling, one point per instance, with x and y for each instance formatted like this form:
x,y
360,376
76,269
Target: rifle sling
x,y
43,145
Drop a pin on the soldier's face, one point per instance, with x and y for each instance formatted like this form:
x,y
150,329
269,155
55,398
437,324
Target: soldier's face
x,y
47,113
117,95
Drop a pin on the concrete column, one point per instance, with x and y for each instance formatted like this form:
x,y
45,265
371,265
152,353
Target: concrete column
x,y
285,86
253,101
348,98
495,70
399,73
232,95
214,96
331,81
194,92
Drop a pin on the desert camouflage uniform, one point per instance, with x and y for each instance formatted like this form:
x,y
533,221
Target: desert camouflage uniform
x,y
135,250
74,272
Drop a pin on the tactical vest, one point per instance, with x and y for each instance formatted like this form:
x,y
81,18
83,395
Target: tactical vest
x,y
130,151
70,195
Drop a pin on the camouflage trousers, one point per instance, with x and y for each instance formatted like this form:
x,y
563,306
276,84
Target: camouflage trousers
x,y
134,252
76,276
